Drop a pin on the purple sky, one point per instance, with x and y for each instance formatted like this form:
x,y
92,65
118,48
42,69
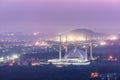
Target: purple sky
x,y
59,15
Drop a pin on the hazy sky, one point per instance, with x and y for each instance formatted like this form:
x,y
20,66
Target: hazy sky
x,y
59,15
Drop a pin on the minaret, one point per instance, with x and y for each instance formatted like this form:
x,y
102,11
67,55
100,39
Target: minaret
x,y
60,55
86,55
86,46
108,77
91,52
66,48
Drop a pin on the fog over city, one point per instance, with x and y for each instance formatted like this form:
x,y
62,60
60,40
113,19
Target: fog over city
x,y
59,39
59,16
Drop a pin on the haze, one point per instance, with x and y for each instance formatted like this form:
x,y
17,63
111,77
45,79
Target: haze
x,y
59,15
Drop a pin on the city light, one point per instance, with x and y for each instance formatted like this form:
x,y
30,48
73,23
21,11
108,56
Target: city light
x,y
81,39
41,43
103,43
1,59
94,74
76,38
113,37
71,38
35,64
35,33
110,57
15,56
37,43
63,39
8,58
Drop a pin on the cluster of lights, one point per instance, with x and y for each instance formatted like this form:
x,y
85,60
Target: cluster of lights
x,y
113,58
75,38
11,34
35,64
113,37
36,33
1,59
103,43
94,74
37,43
71,38
13,57
110,57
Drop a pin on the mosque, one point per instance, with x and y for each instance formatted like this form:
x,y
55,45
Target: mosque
x,y
72,57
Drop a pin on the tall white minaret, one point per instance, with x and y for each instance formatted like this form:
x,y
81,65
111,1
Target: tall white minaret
x,y
86,52
91,51
60,53
86,55
66,48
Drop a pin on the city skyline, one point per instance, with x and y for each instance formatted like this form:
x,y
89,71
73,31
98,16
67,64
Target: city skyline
x,y
59,16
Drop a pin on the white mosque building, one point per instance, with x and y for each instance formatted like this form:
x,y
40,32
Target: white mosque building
x,y
72,57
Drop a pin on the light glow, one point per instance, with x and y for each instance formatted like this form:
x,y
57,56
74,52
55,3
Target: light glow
x,y
15,56
113,37
1,59
41,43
110,57
103,43
36,33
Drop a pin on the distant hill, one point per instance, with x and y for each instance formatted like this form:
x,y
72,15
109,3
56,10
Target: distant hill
x,y
85,32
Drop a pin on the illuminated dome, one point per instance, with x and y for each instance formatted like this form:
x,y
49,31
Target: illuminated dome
x,y
75,53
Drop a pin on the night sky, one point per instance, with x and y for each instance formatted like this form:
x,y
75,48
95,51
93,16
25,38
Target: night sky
x,y
59,15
